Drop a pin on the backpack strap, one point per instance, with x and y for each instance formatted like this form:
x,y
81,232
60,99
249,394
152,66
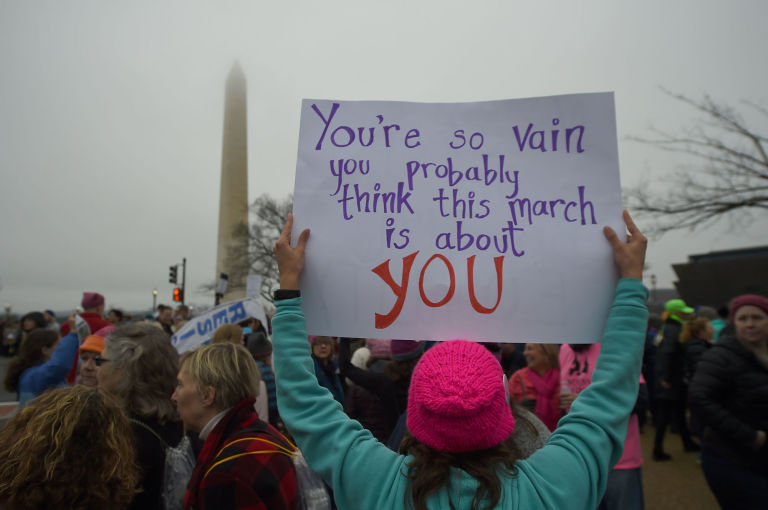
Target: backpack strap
x,y
147,427
271,446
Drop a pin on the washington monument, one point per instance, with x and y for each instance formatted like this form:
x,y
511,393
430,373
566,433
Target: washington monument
x,y
232,251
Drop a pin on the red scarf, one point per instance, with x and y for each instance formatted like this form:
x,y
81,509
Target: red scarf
x,y
240,417
547,389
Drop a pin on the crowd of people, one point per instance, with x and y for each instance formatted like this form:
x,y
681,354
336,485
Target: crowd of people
x,y
108,417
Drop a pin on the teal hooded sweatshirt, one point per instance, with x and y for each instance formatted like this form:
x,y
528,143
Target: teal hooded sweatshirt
x,y
568,473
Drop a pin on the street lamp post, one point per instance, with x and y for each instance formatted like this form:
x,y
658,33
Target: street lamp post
x,y
154,300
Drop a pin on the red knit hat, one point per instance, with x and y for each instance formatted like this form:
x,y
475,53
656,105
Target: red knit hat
x,y
748,299
91,300
457,400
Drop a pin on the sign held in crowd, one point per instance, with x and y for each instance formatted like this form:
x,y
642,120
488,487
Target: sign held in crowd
x,y
200,329
464,220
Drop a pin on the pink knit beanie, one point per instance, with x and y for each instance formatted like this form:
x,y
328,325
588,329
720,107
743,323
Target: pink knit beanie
x,y
406,350
380,348
457,400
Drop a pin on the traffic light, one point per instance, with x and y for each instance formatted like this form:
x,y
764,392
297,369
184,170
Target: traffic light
x,y
178,294
173,274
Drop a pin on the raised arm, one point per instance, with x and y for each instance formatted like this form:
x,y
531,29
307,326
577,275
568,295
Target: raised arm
x,y
629,256
338,448
290,260
590,439
54,370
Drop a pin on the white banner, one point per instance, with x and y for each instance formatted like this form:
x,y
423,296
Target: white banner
x,y
83,329
199,330
470,220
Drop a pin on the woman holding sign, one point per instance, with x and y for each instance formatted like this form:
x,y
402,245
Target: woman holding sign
x,y
459,452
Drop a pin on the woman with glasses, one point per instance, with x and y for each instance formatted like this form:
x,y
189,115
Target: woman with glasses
x,y
43,363
138,366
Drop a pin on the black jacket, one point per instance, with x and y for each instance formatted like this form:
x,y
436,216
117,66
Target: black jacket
x,y
729,394
393,394
693,350
150,456
670,362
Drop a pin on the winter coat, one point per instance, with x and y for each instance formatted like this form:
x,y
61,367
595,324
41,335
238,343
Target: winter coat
x,y
693,350
328,378
392,395
150,457
670,362
51,374
245,463
365,407
729,394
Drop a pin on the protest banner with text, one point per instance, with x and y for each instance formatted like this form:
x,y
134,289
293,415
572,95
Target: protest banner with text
x,y
464,220
199,330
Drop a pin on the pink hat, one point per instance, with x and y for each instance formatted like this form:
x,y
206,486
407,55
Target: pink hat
x,y
105,331
380,348
91,300
405,350
748,299
457,400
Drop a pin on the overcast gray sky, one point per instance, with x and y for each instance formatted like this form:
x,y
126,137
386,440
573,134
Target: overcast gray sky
x,y
111,112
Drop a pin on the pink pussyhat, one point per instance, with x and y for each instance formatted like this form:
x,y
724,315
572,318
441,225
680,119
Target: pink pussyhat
x,y
457,400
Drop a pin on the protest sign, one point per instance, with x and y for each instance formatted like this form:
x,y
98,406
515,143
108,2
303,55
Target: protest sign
x,y
469,220
83,329
200,329
253,286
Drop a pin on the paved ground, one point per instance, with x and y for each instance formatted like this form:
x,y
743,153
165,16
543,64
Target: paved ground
x,y
678,484
675,485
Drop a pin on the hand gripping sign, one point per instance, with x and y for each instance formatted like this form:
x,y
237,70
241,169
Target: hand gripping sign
x,y
463,220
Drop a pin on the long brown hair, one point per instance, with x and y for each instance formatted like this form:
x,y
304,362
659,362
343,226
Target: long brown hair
x,y
231,333
430,470
69,448
400,370
31,354
694,328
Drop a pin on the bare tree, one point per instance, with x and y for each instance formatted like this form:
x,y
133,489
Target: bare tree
x,y
268,216
730,174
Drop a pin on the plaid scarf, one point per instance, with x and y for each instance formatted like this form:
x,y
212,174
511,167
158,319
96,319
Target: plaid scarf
x,y
250,473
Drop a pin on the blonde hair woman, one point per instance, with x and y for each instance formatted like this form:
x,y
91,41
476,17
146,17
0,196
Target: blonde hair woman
x,y
242,456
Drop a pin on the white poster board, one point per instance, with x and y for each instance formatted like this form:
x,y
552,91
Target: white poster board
x,y
494,209
199,330
253,286
83,329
